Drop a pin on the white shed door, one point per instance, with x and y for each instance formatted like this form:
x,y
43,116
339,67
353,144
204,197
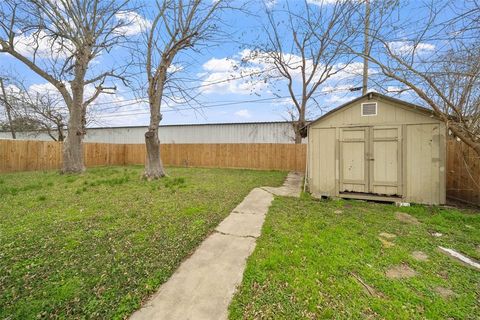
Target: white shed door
x,y
385,161
353,164
370,160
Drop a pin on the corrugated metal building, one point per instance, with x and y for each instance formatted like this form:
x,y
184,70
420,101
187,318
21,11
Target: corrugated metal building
x,y
250,132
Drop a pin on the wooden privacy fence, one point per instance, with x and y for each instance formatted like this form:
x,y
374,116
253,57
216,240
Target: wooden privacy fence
x,y
463,172
17,155
463,165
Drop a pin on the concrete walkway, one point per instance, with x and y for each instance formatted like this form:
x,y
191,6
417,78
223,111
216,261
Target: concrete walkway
x,y
204,284
292,186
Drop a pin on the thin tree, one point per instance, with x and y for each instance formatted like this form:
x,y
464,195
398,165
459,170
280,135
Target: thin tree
x,y
305,46
58,40
34,112
178,26
437,60
45,109
8,108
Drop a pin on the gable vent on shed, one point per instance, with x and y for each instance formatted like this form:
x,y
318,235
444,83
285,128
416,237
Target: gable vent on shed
x,y
369,109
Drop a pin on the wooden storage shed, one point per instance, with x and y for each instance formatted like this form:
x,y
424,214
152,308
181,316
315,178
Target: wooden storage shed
x,y
378,148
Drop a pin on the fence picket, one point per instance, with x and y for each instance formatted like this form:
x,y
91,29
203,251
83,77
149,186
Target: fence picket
x,y
463,165
18,155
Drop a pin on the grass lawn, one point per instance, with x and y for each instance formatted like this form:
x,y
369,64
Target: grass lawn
x,y
95,245
313,256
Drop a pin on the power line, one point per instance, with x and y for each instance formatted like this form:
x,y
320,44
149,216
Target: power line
x,y
214,105
211,83
138,101
226,102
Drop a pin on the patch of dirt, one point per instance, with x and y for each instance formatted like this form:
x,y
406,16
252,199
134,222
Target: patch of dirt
x,y
420,256
386,243
443,275
402,271
387,235
406,218
347,205
444,292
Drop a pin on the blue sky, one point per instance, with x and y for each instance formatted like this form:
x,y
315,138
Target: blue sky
x,y
239,100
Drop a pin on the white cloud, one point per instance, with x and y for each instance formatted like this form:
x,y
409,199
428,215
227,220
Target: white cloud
x,y
336,99
288,102
243,113
43,46
270,3
324,2
245,73
175,68
220,65
12,89
229,75
42,88
409,47
252,72
135,23
345,72
116,109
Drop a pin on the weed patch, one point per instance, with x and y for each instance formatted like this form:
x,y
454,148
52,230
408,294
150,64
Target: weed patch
x,y
174,184
110,182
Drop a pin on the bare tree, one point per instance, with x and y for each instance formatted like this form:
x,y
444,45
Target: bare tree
x,y
32,111
438,60
45,109
8,108
58,40
305,46
177,26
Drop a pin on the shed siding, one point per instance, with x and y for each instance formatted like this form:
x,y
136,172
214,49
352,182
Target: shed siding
x,y
424,163
387,114
406,144
322,160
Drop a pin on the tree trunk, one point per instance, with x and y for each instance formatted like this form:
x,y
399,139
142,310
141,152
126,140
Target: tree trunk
x,y
300,130
299,126
72,146
153,166
61,136
298,137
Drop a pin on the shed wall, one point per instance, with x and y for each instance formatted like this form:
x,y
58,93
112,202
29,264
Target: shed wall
x,y
425,163
387,114
322,161
421,150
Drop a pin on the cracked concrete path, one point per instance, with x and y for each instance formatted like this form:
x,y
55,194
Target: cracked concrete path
x,y
291,187
204,284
